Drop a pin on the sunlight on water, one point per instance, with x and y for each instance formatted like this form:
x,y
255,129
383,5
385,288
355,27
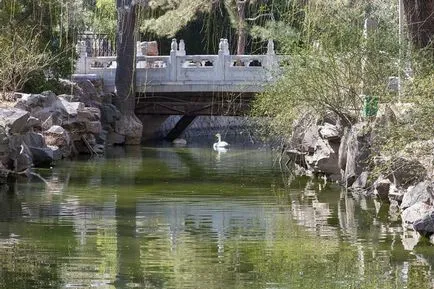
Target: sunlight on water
x,y
195,218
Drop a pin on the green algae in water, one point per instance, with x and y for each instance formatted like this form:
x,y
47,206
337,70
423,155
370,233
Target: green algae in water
x,y
165,218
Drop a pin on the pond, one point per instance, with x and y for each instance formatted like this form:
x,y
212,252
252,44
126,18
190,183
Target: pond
x,y
163,217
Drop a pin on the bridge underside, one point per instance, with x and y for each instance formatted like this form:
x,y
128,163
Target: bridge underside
x,y
194,103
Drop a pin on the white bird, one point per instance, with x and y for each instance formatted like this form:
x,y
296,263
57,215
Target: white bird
x,y
220,144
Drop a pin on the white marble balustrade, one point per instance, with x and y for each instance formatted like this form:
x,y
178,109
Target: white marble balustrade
x,y
181,72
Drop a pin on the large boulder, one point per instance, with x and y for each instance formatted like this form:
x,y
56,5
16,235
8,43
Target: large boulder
x,y
32,102
33,139
325,158
109,115
414,213
330,131
58,137
13,120
41,156
69,109
382,188
425,225
304,134
358,152
89,114
85,90
407,171
131,127
422,192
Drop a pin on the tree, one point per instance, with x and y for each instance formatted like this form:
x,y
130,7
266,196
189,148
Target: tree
x,y
129,125
420,20
36,42
169,17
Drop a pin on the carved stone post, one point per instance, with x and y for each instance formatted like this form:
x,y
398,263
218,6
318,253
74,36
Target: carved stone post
x,y
173,63
220,65
80,67
271,62
181,48
139,49
226,47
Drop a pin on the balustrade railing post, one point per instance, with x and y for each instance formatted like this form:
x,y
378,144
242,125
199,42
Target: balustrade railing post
x,y
220,65
139,49
181,48
173,63
271,63
81,64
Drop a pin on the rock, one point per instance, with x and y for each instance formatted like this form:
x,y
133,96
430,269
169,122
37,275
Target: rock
x,y
70,108
56,152
4,174
42,157
343,148
4,142
425,225
382,188
89,114
59,137
423,151
84,89
324,158
297,157
404,112
51,119
423,192
30,102
33,122
89,95
109,114
406,171
94,127
179,142
330,132
414,213
358,152
13,120
131,127
99,149
361,182
304,134
70,98
32,139
115,138
22,158
107,98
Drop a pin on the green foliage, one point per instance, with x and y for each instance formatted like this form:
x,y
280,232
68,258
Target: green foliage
x,y
36,39
331,64
220,19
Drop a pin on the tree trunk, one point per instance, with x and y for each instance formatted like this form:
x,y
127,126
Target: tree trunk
x,y
241,44
125,80
420,19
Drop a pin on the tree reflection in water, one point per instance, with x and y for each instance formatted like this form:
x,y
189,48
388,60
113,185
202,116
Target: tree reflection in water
x,y
175,218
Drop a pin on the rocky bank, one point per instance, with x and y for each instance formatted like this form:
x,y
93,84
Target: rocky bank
x,y
348,152
39,129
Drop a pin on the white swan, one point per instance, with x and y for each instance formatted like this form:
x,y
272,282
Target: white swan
x,y
220,144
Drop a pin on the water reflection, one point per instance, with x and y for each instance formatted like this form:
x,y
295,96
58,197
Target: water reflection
x,y
180,218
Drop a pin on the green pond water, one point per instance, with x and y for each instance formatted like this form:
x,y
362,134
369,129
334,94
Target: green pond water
x,y
194,218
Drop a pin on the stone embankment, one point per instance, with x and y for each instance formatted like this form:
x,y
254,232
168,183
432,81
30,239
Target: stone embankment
x,y
39,129
350,154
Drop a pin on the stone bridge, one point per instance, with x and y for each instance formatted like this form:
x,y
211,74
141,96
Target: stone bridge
x,y
189,85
